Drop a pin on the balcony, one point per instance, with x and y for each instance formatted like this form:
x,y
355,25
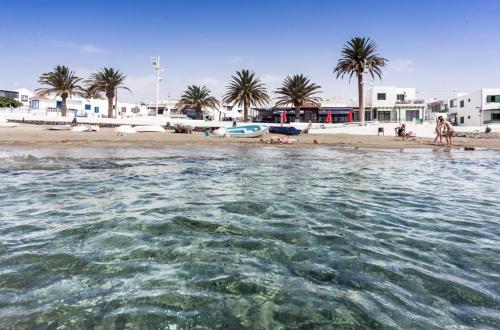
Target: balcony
x,y
410,102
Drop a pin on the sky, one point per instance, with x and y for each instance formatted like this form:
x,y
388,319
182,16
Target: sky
x,y
438,47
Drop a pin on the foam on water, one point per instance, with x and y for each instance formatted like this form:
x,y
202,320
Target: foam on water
x,y
249,238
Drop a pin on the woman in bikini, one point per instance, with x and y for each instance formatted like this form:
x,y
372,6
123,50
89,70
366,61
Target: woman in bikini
x,y
448,131
439,131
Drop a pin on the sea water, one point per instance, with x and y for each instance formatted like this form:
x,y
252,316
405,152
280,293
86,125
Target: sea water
x,y
249,238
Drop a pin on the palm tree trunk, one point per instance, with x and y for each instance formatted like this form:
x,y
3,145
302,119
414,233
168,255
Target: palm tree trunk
x,y
110,106
245,112
297,113
361,99
64,108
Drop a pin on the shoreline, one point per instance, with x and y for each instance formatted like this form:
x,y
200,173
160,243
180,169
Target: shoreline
x,y
36,136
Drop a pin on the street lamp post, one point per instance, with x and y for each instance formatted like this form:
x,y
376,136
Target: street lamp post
x,y
155,60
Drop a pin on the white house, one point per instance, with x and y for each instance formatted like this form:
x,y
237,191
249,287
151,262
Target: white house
x,y
436,108
476,108
24,96
82,107
390,103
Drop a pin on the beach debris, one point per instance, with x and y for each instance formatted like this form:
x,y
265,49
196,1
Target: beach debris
x,y
469,148
315,141
282,140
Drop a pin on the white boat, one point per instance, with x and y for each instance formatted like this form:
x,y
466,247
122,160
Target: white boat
x,y
8,125
149,128
125,129
83,128
246,131
5,124
60,128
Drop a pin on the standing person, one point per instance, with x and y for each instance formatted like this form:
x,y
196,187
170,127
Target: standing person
x,y
439,130
448,131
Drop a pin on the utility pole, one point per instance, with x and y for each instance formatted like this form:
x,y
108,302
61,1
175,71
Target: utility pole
x,y
155,60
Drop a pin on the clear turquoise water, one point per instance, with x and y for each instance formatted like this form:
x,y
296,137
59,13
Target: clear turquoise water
x,y
249,238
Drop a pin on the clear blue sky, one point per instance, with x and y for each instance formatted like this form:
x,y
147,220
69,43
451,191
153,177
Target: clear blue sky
x,y
435,46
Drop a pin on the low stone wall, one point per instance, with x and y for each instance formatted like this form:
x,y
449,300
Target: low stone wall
x,y
477,135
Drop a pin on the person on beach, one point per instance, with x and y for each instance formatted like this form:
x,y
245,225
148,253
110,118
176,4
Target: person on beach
x,y
439,130
448,131
400,130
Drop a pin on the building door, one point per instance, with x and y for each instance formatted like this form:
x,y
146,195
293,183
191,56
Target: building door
x,y
412,114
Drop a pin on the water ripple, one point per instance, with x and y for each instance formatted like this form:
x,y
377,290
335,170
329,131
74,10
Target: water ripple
x,y
249,238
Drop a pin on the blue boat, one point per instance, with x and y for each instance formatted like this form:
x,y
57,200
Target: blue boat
x,y
246,131
284,130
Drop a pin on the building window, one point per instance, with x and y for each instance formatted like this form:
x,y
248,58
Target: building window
x,y
381,96
400,97
384,115
24,98
468,117
88,107
96,109
468,100
412,114
124,109
495,116
462,104
35,104
462,120
493,99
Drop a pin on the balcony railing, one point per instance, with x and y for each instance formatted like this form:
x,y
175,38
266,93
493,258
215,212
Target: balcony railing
x,y
410,102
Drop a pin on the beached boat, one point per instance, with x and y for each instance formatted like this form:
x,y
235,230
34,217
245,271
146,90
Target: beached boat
x,y
149,128
8,125
125,129
59,128
284,130
247,131
5,124
184,129
83,128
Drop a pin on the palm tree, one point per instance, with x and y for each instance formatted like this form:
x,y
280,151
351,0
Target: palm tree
x,y
107,80
62,82
297,90
247,90
359,55
197,98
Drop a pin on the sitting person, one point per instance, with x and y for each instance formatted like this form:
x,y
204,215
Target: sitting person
x,y
400,130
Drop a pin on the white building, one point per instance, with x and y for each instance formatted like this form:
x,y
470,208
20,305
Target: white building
x,y
436,108
476,108
82,107
390,103
24,96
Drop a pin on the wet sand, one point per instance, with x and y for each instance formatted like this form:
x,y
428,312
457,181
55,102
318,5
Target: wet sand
x,y
34,136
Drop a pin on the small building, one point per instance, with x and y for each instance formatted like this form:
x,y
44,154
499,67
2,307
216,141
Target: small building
x,y
9,94
476,108
340,112
436,108
393,104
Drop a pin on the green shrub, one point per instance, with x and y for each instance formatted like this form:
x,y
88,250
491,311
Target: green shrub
x,y
7,102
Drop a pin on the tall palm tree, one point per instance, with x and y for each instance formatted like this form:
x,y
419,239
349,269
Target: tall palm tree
x,y
197,98
247,90
297,90
359,55
107,80
63,82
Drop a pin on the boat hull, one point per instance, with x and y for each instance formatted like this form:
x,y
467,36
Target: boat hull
x,y
246,131
284,130
149,129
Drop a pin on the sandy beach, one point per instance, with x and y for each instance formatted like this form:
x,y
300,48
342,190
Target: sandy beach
x,y
30,136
